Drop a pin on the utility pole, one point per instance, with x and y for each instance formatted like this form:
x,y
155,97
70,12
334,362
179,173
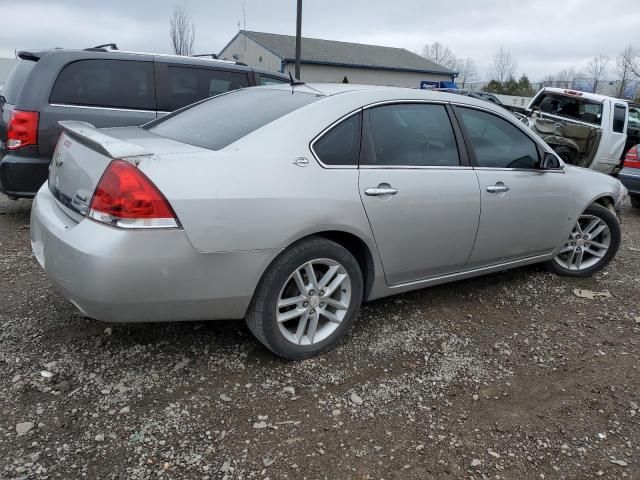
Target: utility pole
x,y
298,38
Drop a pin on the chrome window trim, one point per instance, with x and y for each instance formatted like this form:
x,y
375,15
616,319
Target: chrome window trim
x,y
89,107
323,132
415,167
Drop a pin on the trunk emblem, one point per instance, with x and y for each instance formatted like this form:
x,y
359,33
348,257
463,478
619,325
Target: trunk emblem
x,y
301,162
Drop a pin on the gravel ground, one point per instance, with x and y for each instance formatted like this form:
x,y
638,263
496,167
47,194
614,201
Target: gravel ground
x,y
511,375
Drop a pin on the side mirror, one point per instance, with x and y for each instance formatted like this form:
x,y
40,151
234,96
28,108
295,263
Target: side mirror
x,y
551,162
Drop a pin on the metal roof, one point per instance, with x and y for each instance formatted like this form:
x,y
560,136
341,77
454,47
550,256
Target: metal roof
x,y
331,52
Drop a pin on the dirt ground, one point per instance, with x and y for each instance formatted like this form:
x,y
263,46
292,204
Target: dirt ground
x,y
507,376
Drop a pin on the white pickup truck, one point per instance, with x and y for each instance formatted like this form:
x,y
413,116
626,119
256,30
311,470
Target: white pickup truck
x,y
584,129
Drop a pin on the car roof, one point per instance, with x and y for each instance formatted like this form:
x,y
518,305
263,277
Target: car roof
x,y
389,93
112,53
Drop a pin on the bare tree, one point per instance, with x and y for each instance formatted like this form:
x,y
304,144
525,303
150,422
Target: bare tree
x,y
503,66
597,69
182,30
467,71
440,54
623,69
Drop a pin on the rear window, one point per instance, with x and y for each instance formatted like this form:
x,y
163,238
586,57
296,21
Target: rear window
x,y
107,83
571,107
17,77
188,85
223,120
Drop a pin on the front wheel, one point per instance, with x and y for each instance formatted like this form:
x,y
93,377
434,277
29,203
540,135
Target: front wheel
x,y
592,244
307,299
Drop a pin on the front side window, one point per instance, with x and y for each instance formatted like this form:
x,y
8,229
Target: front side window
x,y
106,83
341,144
619,116
496,142
225,119
412,134
188,85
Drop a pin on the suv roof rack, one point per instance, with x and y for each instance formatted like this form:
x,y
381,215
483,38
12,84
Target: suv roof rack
x,y
102,48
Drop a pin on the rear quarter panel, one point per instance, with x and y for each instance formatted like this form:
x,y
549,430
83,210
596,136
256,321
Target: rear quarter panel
x,y
250,195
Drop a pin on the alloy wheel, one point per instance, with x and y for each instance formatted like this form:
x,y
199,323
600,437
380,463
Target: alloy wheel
x,y
588,243
313,301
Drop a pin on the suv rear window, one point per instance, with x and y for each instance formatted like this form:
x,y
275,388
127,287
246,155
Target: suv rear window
x,y
571,107
16,80
107,83
188,85
223,120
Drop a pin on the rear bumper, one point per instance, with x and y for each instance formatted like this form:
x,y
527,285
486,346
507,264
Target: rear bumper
x,y
140,276
630,178
22,176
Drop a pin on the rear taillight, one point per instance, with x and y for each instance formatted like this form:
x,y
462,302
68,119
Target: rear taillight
x,y
22,129
631,159
126,198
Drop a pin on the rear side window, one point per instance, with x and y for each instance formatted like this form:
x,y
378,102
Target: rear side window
x,y
619,116
341,144
223,120
413,135
189,85
496,142
107,83
16,80
264,80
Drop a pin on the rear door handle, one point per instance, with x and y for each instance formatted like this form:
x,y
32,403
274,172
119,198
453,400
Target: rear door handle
x,y
379,191
497,188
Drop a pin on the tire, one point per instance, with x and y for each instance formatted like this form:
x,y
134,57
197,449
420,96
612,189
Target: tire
x,y
565,153
287,338
593,257
635,201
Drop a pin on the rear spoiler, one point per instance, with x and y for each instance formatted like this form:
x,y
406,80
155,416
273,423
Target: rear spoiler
x,y
110,146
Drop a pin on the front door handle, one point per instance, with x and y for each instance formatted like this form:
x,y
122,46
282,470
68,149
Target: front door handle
x,y
497,188
382,189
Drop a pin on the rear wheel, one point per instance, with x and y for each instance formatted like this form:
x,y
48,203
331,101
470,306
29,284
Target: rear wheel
x,y
592,244
566,154
307,300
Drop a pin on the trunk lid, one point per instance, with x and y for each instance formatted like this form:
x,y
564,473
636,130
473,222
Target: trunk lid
x,y
84,152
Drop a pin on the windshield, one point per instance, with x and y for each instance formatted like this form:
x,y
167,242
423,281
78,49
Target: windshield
x,y
570,107
223,120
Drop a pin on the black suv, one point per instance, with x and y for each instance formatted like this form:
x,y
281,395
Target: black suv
x,y
105,87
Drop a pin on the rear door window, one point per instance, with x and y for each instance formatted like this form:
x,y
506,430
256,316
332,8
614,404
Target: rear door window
x,y
188,85
619,117
126,84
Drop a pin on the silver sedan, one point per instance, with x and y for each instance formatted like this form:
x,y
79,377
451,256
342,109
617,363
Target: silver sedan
x,y
291,205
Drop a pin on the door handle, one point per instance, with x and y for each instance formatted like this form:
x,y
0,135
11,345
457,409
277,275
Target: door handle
x,y
380,190
497,188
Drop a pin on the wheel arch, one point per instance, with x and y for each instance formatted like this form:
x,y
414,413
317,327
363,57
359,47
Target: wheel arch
x,y
355,244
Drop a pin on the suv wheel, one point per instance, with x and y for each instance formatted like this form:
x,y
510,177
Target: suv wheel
x,y
592,244
307,299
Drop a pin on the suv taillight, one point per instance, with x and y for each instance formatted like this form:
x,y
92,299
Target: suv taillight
x,y
22,129
631,159
126,198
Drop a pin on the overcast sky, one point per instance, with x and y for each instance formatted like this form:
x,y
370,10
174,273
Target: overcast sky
x,y
544,36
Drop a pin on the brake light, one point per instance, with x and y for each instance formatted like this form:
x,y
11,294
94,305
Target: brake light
x,y
573,92
126,198
22,129
631,159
